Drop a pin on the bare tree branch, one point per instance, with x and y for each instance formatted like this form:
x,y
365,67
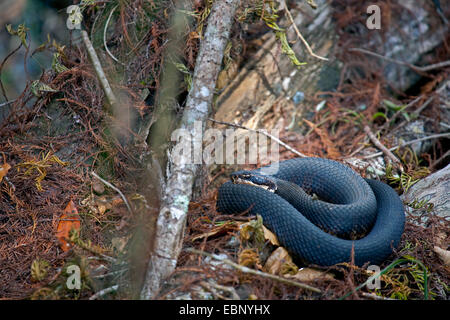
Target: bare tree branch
x,y
98,69
255,272
172,216
404,144
264,132
380,146
430,67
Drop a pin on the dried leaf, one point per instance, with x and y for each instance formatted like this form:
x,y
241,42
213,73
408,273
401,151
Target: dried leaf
x,y
68,221
101,209
117,200
270,236
99,205
98,186
118,243
444,255
280,262
4,170
310,274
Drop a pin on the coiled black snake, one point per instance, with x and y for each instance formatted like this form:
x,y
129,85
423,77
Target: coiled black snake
x,y
320,230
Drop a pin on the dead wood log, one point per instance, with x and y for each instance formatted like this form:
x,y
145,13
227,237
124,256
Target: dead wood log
x,y
271,78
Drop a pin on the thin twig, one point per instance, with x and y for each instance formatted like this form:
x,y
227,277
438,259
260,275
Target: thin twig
x,y
443,124
103,292
115,189
104,36
423,106
445,155
98,69
262,132
374,296
355,151
417,112
434,136
110,274
1,67
11,185
254,272
433,66
6,103
385,150
308,48
403,63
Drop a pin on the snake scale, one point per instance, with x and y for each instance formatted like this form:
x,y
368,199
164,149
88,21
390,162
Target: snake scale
x,y
318,209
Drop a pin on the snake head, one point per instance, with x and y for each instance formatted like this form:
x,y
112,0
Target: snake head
x,y
254,179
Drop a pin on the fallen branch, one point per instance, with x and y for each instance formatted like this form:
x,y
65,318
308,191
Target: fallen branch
x,y
174,205
385,150
262,132
434,136
254,272
403,63
98,69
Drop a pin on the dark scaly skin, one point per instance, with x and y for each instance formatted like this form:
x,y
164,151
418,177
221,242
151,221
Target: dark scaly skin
x,y
354,205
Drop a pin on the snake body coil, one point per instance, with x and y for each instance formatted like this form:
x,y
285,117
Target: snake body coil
x,y
319,231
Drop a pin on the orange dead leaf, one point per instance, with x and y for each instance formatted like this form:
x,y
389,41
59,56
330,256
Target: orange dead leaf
x,y
4,170
68,221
